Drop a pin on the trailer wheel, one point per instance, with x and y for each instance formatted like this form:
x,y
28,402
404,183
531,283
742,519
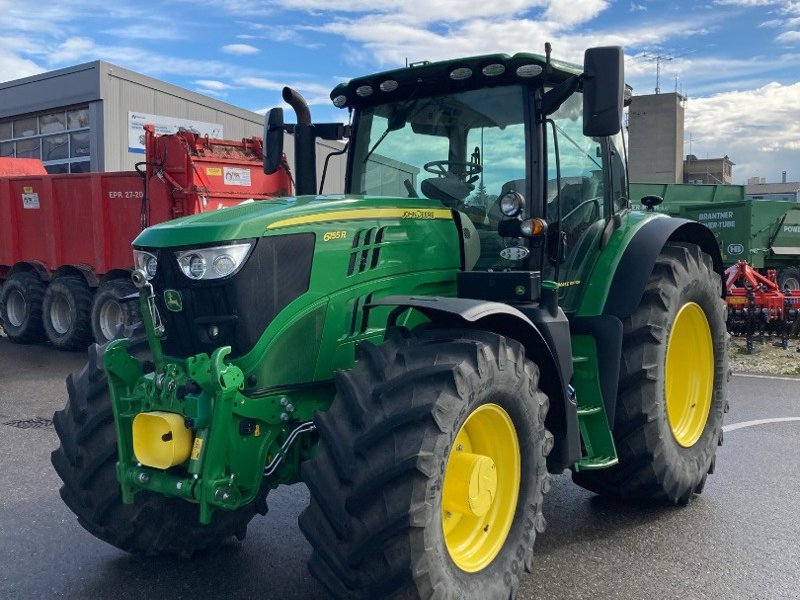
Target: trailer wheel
x,y
108,313
66,312
21,308
86,462
672,384
789,277
431,469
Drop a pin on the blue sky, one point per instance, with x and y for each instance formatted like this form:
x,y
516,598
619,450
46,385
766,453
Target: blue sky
x,y
737,61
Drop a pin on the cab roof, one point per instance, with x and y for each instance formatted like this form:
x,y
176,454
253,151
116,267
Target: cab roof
x,y
447,76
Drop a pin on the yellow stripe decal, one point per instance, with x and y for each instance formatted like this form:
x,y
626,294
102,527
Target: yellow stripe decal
x,y
419,214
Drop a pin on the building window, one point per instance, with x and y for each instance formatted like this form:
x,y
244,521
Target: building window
x,y
60,139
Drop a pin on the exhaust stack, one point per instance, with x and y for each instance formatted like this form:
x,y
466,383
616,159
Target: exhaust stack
x,y
305,140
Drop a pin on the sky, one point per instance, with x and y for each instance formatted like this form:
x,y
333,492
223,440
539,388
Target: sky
x,y
736,61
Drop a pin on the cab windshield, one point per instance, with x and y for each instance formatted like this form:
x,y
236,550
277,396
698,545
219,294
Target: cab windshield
x,y
463,150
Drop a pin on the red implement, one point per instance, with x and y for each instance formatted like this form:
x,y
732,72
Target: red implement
x,y
757,301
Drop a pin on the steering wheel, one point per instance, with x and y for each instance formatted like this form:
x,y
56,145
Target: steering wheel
x,y
440,168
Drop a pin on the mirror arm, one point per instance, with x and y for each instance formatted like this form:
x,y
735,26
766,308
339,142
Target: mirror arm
x,y
553,99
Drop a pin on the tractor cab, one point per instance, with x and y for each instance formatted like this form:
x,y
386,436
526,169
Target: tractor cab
x,y
528,153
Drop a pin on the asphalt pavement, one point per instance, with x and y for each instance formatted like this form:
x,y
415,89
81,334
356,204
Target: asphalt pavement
x,y
739,540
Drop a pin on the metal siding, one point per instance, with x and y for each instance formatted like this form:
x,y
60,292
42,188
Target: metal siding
x,y
170,106
126,96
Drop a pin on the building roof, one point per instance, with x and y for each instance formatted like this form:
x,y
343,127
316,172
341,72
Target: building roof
x,y
87,82
790,187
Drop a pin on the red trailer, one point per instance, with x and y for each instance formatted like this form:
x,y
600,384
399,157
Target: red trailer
x,y
65,240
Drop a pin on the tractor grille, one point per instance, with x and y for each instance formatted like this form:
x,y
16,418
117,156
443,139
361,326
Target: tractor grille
x,y
366,251
240,307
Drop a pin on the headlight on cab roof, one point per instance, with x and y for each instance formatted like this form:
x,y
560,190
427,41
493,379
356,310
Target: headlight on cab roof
x,y
145,261
213,263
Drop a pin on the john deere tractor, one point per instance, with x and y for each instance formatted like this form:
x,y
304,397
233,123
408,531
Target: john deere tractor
x,y
480,309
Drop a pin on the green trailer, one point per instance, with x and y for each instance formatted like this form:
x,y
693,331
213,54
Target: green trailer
x,y
421,365
765,233
676,195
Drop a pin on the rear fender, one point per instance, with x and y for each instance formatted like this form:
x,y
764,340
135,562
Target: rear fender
x,y
555,370
33,266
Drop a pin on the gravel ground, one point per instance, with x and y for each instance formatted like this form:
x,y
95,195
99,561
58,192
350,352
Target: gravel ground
x,y
767,359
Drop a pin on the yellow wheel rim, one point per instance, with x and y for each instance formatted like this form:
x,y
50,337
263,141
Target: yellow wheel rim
x,y
481,487
689,378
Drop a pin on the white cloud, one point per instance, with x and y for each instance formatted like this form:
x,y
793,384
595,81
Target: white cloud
x,y
745,3
314,93
147,31
240,49
212,84
759,129
789,37
573,13
71,50
13,66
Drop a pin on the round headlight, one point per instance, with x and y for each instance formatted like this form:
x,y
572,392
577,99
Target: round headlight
x,y
151,266
389,85
197,266
340,101
461,73
364,91
529,71
493,70
224,265
511,203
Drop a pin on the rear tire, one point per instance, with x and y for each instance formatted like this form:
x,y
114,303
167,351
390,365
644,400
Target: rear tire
x,y
377,521
66,312
86,462
21,308
789,277
108,313
662,456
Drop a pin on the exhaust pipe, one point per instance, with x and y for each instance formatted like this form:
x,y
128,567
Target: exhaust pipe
x,y
298,104
305,142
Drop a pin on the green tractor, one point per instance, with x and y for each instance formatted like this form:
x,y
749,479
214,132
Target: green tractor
x,y
480,309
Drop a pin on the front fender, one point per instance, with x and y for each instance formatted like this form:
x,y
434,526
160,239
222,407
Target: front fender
x,y
547,344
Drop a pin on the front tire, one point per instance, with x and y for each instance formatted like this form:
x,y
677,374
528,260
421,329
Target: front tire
x,y
672,387
86,463
418,422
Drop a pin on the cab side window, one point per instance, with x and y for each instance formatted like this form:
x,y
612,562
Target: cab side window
x,y
575,196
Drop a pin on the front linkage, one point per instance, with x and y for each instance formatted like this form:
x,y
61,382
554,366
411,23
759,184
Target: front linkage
x,y
185,429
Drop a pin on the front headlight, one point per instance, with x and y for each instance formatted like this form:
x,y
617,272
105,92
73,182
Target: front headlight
x,y
146,262
213,263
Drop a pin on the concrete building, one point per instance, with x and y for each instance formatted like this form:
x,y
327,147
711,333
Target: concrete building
x,y
708,170
89,118
655,138
789,191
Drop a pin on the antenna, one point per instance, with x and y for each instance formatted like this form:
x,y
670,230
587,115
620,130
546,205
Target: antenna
x,y
658,59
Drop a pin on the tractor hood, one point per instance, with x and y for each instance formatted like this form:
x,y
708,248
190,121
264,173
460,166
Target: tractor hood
x,y
270,217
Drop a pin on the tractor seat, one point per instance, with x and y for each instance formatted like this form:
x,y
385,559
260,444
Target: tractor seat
x,y
451,191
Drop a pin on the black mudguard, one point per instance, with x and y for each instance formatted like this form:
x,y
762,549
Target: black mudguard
x,y
637,261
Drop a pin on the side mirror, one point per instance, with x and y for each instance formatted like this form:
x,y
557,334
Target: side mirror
x,y
273,140
603,85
